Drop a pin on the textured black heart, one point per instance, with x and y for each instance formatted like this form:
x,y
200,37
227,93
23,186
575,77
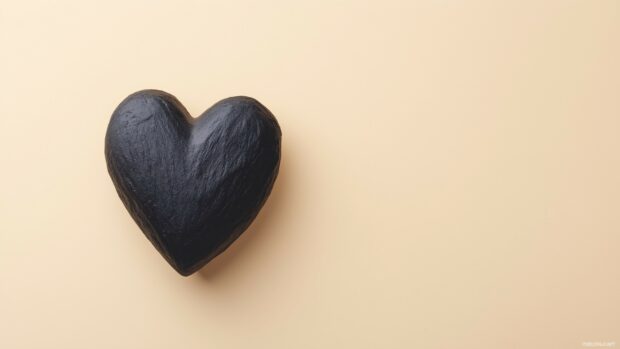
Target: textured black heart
x,y
192,185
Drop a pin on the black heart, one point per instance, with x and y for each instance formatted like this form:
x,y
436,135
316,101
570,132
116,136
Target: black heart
x,y
192,185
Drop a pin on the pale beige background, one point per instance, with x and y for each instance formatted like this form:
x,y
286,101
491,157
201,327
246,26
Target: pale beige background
x,y
450,177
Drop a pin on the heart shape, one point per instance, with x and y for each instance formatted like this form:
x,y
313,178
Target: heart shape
x,y
192,185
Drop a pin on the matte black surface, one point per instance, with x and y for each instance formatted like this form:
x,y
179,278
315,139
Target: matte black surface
x,y
192,185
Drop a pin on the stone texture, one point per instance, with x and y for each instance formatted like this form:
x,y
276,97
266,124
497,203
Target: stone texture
x,y
192,185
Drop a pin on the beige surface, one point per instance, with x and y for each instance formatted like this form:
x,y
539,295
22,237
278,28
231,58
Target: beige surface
x,y
450,177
